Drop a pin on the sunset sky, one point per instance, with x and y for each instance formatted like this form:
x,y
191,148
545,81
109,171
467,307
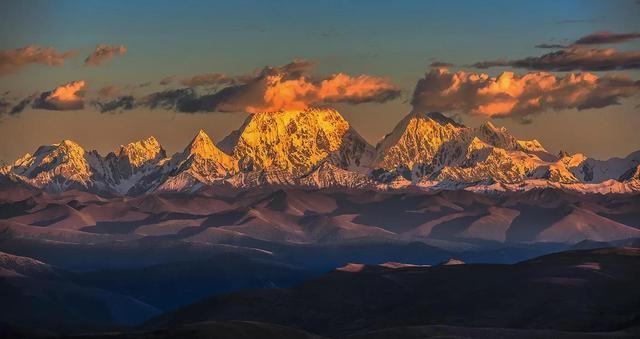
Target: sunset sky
x,y
104,73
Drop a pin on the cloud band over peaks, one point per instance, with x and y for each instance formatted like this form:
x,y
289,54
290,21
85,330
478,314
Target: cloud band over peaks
x,y
573,58
511,95
287,87
300,93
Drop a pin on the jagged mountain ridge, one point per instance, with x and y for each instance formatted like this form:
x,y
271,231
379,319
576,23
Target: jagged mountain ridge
x,y
297,141
201,162
430,145
318,148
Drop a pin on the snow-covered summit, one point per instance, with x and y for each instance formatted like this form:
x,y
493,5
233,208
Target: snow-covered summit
x,y
318,148
297,141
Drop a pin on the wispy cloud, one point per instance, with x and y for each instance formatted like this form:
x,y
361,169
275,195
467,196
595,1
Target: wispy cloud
x,y
577,55
111,91
15,59
606,37
551,46
103,53
438,63
21,105
119,104
573,58
207,79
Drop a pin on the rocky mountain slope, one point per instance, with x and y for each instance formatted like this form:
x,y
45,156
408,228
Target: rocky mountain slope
x,y
201,163
35,294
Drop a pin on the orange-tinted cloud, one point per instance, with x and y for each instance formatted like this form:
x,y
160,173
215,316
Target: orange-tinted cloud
x,y
363,88
512,95
300,93
13,60
69,96
280,94
287,87
104,53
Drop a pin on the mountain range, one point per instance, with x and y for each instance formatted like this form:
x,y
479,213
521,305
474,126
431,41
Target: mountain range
x,y
247,229
318,148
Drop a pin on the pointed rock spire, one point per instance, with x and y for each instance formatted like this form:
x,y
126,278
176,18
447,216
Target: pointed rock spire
x,y
416,140
202,146
202,161
141,152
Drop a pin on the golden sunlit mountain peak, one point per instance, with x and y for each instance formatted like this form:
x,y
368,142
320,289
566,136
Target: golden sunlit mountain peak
x,y
140,152
293,141
202,146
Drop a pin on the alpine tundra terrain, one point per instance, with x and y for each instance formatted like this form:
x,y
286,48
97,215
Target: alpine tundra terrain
x,y
295,226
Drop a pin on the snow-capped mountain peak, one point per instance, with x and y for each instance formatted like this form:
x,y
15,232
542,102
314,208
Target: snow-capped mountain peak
x,y
56,167
416,140
67,154
498,137
140,152
202,146
435,147
296,141
317,147
532,146
201,163
131,166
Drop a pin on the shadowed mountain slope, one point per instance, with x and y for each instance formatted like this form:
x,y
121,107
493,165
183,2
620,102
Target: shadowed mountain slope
x,y
570,291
